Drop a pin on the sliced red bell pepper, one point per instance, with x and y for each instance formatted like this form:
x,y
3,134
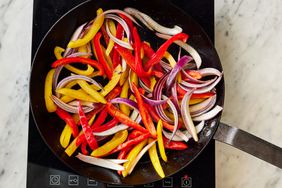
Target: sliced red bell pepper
x,y
161,51
83,148
69,120
122,155
134,134
149,52
100,55
101,118
106,126
121,117
127,56
69,60
88,134
128,21
131,142
116,56
146,118
174,145
105,35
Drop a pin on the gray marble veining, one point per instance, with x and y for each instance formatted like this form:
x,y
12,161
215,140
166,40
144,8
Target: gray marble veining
x,y
248,39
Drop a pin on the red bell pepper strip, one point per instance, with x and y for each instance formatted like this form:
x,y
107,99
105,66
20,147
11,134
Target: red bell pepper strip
x,y
146,118
88,134
84,148
116,56
131,142
149,52
161,51
69,60
134,134
101,118
122,155
100,55
128,21
105,35
106,126
121,117
174,145
69,120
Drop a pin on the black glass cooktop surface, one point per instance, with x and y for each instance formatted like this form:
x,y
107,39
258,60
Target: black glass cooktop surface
x,y
44,170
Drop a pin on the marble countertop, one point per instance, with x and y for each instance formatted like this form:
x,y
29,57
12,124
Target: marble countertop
x,y
249,43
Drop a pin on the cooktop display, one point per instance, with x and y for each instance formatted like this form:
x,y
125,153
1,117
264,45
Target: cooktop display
x,y
45,170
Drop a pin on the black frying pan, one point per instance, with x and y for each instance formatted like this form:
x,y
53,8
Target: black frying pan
x,y
50,126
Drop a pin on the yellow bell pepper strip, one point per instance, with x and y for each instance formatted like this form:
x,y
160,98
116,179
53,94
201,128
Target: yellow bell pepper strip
x,y
132,155
97,24
134,78
92,92
112,28
124,76
118,139
68,60
50,105
71,84
108,58
69,120
113,82
160,140
66,133
76,94
153,82
155,159
100,55
124,94
121,117
170,59
58,53
146,117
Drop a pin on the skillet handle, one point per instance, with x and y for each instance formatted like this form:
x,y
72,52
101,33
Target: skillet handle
x,y
250,144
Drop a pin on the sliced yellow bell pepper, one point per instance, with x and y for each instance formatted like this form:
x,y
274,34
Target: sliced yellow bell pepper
x,y
155,159
153,82
108,58
71,84
124,76
76,94
58,52
92,92
118,139
67,132
134,78
97,24
113,30
72,147
170,59
124,94
195,101
113,82
50,105
132,155
160,140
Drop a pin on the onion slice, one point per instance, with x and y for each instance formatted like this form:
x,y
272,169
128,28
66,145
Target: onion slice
x,y
198,85
209,72
203,107
147,20
209,115
118,161
185,112
125,101
197,58
153,102
139,156
111,131
198,127
106,163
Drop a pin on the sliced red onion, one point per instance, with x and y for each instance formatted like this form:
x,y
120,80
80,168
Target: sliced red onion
x,y
209,114
197,58
118,161
139,17
175,114
139,156
69,108
209,72
68,79
168,135
179,65
191,78
203,107
165,65
174,97
83,103
78,54
208,88
56,76
153,24
118,41
125,101
185,112
117,11
198,85
106,163
112,130
74,37
153,102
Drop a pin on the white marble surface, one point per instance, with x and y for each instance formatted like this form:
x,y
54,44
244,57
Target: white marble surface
x,y
249,42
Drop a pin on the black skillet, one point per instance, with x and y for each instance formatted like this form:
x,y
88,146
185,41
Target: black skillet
x,y
50,126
